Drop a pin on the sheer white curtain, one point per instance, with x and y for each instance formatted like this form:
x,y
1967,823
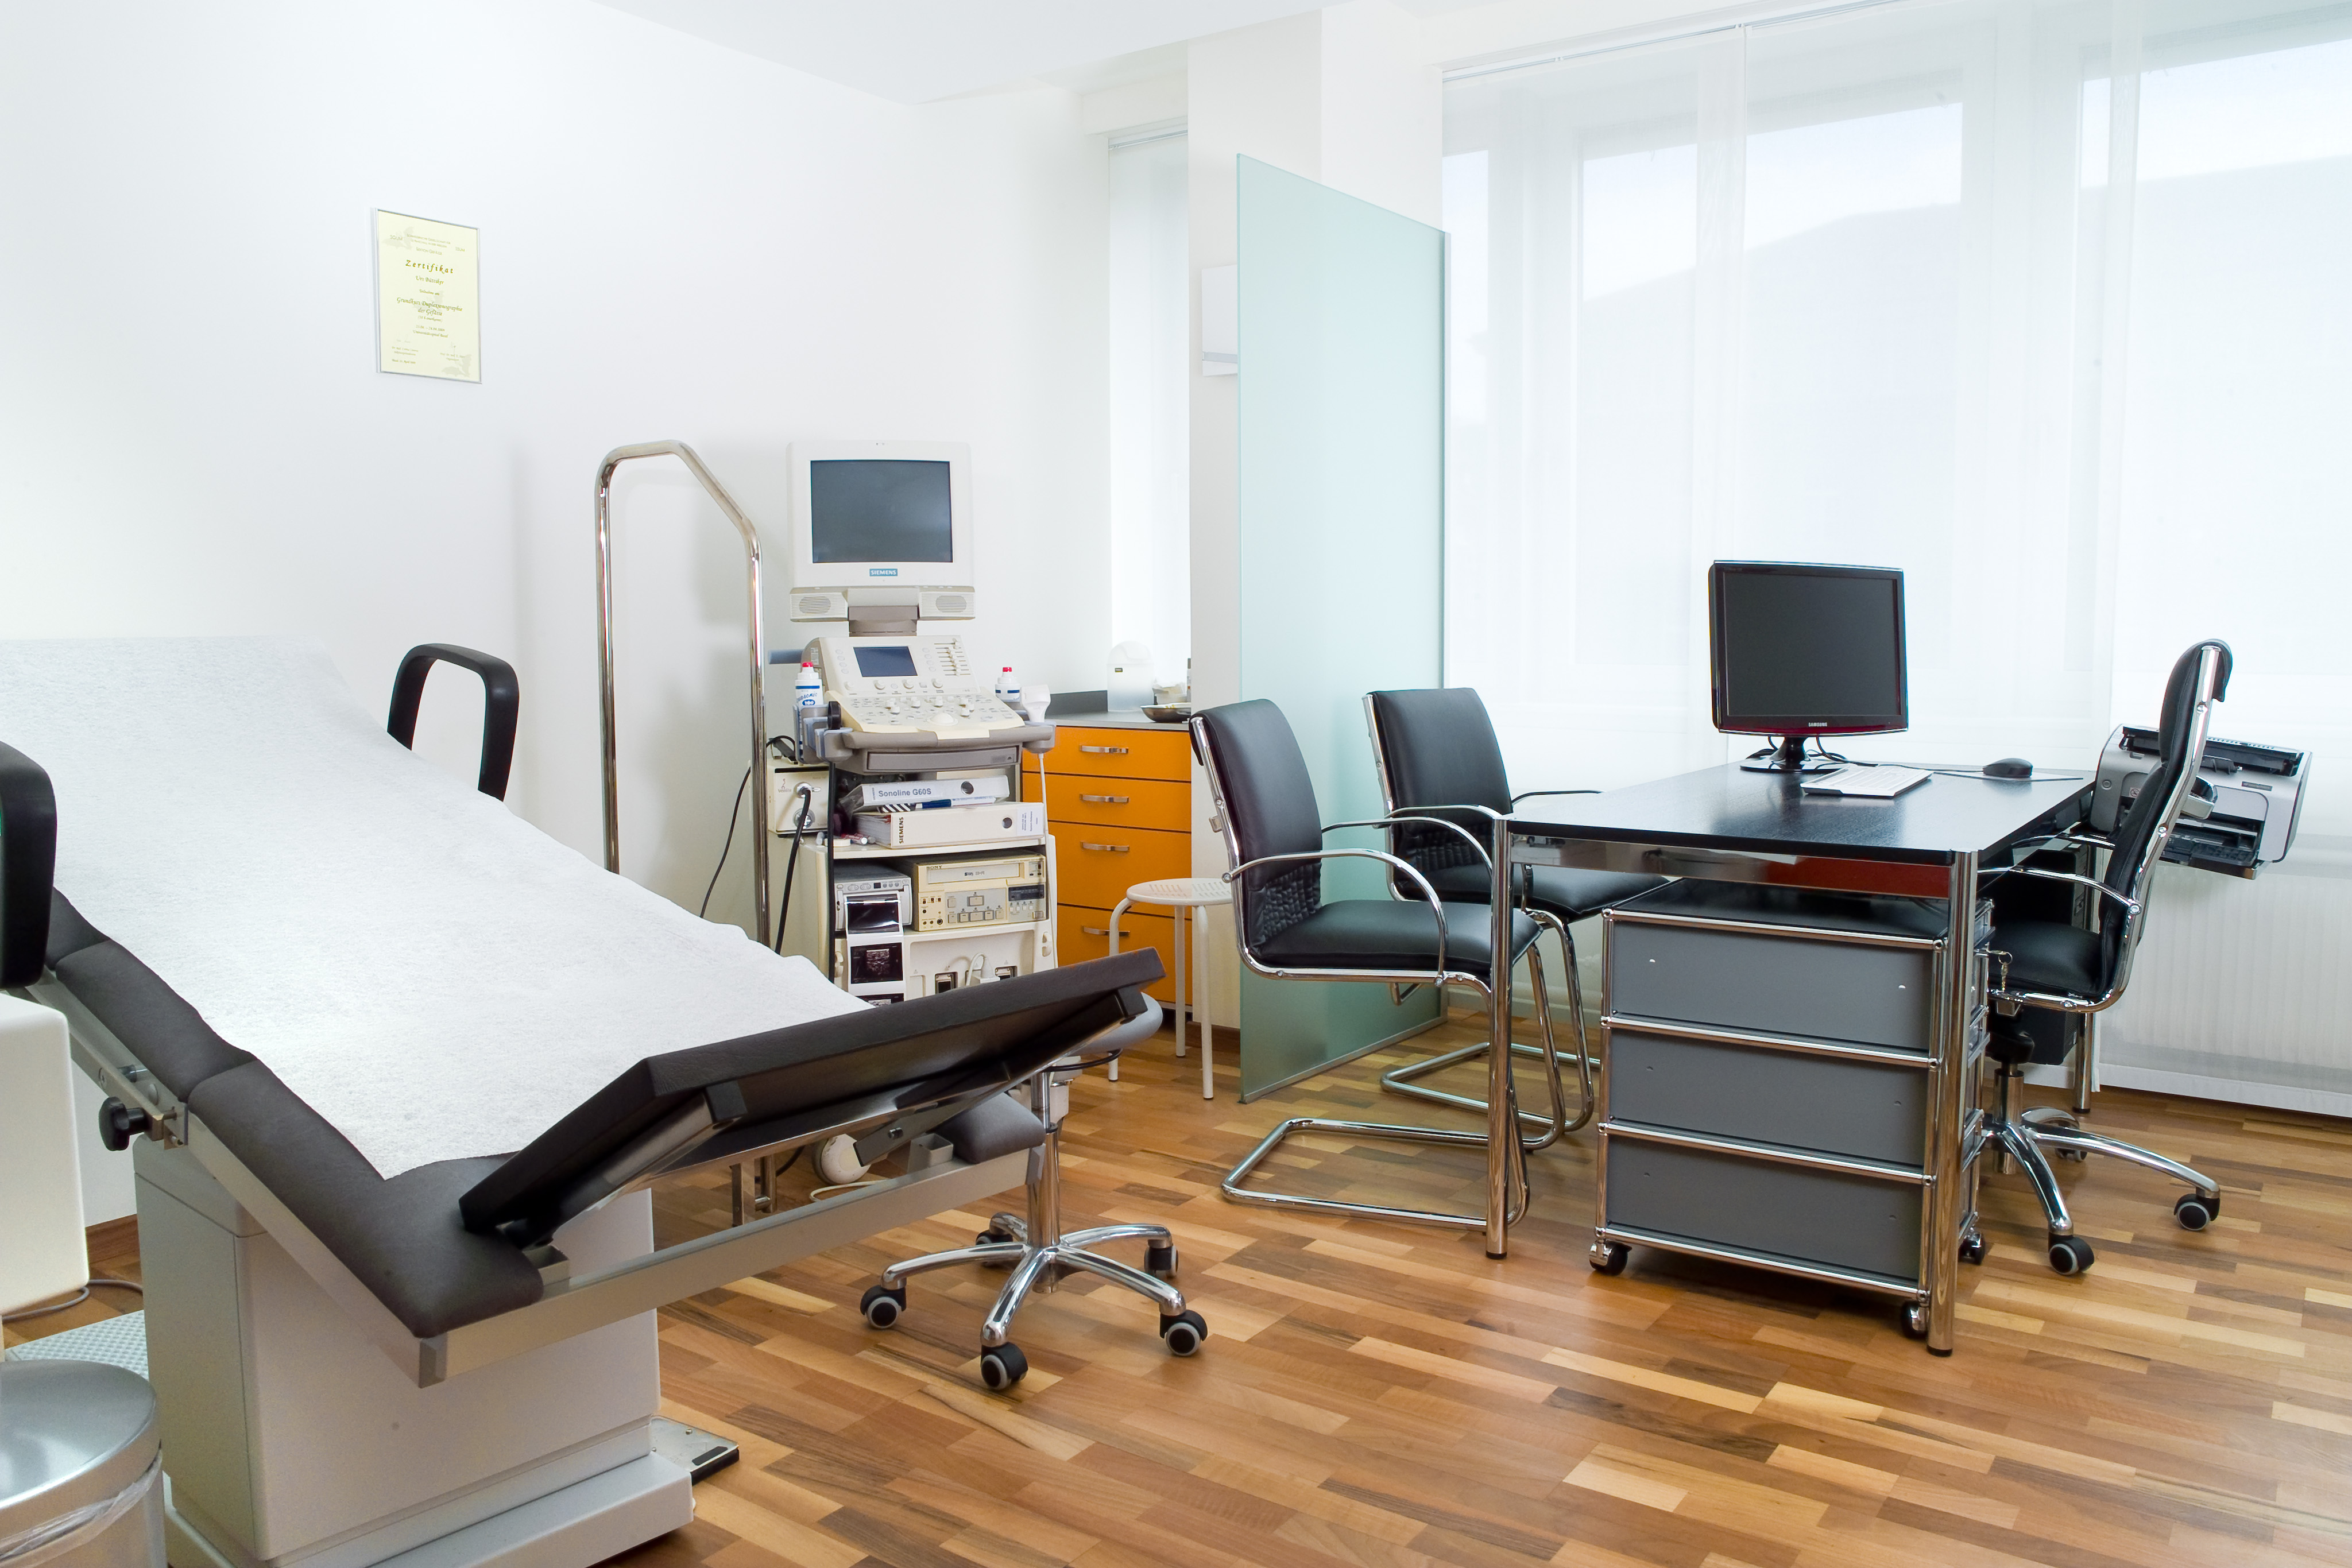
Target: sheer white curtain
x,y
1916,285
1151,452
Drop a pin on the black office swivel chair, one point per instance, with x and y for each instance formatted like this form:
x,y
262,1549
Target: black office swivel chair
x,y
1287,931
2056,966
1438,757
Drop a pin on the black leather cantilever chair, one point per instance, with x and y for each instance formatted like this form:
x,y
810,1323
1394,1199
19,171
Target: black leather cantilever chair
x,y
1438,759
1287,931
2056,966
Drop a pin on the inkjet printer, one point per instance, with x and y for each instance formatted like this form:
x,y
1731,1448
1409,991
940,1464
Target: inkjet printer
x,y
2248,821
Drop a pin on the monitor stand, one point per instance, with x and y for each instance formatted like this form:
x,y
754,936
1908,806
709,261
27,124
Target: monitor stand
x,y
1788,757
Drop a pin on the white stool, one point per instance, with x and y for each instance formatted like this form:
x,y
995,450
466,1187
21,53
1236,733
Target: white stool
x,y
1199,895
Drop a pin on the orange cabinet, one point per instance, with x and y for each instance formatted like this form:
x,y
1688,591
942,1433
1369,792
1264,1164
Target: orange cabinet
x,y
1085,933
1158,753
1118,803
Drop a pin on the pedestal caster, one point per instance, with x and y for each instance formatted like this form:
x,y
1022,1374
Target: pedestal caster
x,y
1608,1257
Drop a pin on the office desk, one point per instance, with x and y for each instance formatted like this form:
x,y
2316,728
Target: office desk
x,y
1725,824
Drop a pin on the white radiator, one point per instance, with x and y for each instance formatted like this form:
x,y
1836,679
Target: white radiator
x,y
2243,990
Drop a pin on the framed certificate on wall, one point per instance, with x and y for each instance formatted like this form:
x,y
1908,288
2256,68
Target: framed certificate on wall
x,y
427,299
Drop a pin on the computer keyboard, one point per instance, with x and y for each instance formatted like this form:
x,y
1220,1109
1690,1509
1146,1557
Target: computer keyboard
x,y
1877,783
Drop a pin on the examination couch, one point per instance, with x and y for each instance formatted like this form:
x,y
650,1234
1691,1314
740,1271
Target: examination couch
x,y
398,1070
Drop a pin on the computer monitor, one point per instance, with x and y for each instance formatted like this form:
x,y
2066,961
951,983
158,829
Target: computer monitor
x,y
1800,650
882,523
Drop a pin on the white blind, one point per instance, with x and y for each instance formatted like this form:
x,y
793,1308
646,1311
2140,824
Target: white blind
x,y
2043,303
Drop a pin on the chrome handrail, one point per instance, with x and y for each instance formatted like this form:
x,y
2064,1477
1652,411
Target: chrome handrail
x,y
684,453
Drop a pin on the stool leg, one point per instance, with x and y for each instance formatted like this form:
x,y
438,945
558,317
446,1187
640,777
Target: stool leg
x,y
1199,996
1114,952
1177,979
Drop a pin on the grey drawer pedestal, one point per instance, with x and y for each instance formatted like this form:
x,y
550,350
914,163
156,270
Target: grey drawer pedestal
x,y
1767,1083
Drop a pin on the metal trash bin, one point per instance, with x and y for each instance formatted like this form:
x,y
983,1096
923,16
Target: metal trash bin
x,y
80,1485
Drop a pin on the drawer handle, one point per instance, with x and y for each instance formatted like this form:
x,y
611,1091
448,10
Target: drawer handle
x,y
1105,849
1093,930
1104,750
1104,799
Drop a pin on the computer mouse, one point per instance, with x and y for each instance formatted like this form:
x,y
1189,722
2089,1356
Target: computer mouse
x,y
2008,768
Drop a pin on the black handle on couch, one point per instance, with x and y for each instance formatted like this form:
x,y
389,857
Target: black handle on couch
x,y
501,706
28,862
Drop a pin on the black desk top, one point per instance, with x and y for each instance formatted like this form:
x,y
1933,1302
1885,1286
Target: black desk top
x,y
1727,808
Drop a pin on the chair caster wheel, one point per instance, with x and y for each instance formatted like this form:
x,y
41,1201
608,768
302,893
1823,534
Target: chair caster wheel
x,y
1608,1257
1002,1367
1161,1259
882,1306
1185,1332
1915,1320
2196,1211
994,1238
2071,1254
2074,1156
1973,1247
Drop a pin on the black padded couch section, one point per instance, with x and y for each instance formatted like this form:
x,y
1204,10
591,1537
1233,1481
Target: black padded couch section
x,y
404,1238
800,1079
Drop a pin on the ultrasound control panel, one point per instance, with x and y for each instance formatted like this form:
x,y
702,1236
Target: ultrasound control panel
x,y
907,686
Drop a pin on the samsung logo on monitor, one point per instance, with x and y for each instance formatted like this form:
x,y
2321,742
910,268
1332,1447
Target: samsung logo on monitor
x,y
881,571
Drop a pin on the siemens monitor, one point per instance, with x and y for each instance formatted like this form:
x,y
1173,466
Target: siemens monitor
x,y
881,527
1798,650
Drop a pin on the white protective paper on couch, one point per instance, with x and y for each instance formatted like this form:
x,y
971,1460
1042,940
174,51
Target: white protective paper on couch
x,y
430,973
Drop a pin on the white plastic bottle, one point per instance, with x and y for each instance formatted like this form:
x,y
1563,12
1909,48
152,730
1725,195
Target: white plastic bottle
x,y
809,690
1008,687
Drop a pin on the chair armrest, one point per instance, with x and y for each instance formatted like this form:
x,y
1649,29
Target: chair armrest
x,y
1413,814
29,864
2129,904
501,706
1428,894
1531,794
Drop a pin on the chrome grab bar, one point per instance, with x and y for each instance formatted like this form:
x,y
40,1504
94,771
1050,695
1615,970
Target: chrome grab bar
x,y
684,453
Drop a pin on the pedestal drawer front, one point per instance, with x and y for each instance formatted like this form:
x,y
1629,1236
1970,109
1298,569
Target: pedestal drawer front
x,y
1085,933
1773,985
1868,1110
1811,1216
1099,864
1157,803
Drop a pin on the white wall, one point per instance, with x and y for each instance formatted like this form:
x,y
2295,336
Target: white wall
x,y
677,241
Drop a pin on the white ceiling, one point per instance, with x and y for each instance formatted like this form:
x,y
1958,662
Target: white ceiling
x,y
917,50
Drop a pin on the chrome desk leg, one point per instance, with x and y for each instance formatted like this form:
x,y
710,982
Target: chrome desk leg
x,y
1946,1200
1502,1125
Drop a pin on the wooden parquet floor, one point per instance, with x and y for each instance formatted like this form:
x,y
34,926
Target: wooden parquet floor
x,y
1375,1394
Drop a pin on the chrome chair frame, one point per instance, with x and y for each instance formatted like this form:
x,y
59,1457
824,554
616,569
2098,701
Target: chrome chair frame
x,y
2023,1136
1403,1080
1440,975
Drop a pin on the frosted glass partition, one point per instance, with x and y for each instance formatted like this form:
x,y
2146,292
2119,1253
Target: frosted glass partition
x,y
1341,472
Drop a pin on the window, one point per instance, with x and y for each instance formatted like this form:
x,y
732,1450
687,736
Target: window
x,y
1910,285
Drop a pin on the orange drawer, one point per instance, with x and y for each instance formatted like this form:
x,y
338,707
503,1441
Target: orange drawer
x,y
1119,803
1118,753
1097,865
1085,933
